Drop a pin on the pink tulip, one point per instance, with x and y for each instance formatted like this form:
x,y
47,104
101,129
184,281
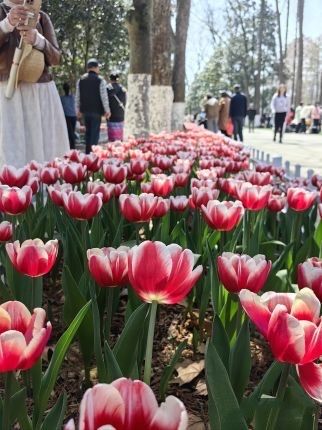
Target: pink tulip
x,y
33,257
5,231
257,178
55,193
15,201
114,174
293,327
120,189
109,266
309,274
242,271
253,197
49,175
162,185
276,203
82,206
201,196
162,207
138,166
106,190
128,405
72,173
222,216
23,336
179,203
162,273
92,162
300,199
13,177
138,208
163,162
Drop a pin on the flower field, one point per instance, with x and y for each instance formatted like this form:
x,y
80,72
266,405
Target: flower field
x,y
182,226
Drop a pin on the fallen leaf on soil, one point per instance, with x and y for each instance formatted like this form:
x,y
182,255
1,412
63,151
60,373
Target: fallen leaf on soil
x,y
195,423
188,370
201,388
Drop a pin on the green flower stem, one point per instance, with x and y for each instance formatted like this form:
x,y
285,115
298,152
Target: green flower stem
x,y
245,231
273,416
109,305
227,310
137,232
296,228
149,344
6,405
239,320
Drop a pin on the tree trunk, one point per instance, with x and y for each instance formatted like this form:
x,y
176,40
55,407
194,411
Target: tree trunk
x,y
280,44
259,57
299,77
161,94
139,25
179,67
287,27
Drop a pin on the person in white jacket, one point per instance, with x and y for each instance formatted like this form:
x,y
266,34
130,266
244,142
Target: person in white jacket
x,y
280,106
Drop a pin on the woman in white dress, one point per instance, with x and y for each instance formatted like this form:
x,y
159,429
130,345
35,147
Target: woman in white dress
x,y
32,122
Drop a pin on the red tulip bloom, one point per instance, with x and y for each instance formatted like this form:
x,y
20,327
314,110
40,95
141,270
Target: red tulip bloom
x,y
309,274
106,190
242,271
13,177
162,273
138,166
5,231
114,173
82,206
138,208
300,199
222,216
33,257
109,266
257,178
49,175
15,201
33,183
201,196
162,207
181,179
276,203
128,405
120,189
320,209
163,162
55,193
92,162
162,185
293,327
179,203
146,187
23,336
73,173
253,197
203,183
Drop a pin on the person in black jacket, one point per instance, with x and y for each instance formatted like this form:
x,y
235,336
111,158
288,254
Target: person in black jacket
x,y
117,100
238,112
92,102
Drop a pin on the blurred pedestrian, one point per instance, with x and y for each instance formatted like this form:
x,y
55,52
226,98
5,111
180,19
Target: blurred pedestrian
x,y
211,107
238,112
92,102
224,106
316,118
298,112
68,102
251,113
117,100
280,106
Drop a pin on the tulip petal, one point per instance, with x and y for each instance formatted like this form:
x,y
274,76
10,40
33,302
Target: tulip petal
x,y
140,403
256,310
35,347
306,306
12,345
5,320
19,314
286,336
101,405
310,376
314,349
171,415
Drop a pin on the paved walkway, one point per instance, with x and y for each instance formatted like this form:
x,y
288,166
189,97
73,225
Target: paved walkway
x,y
304,149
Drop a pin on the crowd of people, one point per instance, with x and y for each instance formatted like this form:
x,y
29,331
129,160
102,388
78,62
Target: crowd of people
x,y
94,99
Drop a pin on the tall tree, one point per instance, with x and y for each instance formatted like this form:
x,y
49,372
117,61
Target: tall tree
x,y
161,94
139,25
179,67
299,76
281,66
257,97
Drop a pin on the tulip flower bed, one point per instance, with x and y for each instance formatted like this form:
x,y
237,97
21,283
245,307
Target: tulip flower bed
x,y
153,268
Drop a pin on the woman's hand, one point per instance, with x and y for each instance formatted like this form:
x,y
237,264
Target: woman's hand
x,y
28,35
17,15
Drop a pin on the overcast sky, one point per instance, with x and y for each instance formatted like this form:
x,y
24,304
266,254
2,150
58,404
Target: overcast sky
x,y
199,46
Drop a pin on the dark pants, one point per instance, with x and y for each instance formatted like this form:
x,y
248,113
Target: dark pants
x,y
71,124
251,125
92,124
279,124
238,122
